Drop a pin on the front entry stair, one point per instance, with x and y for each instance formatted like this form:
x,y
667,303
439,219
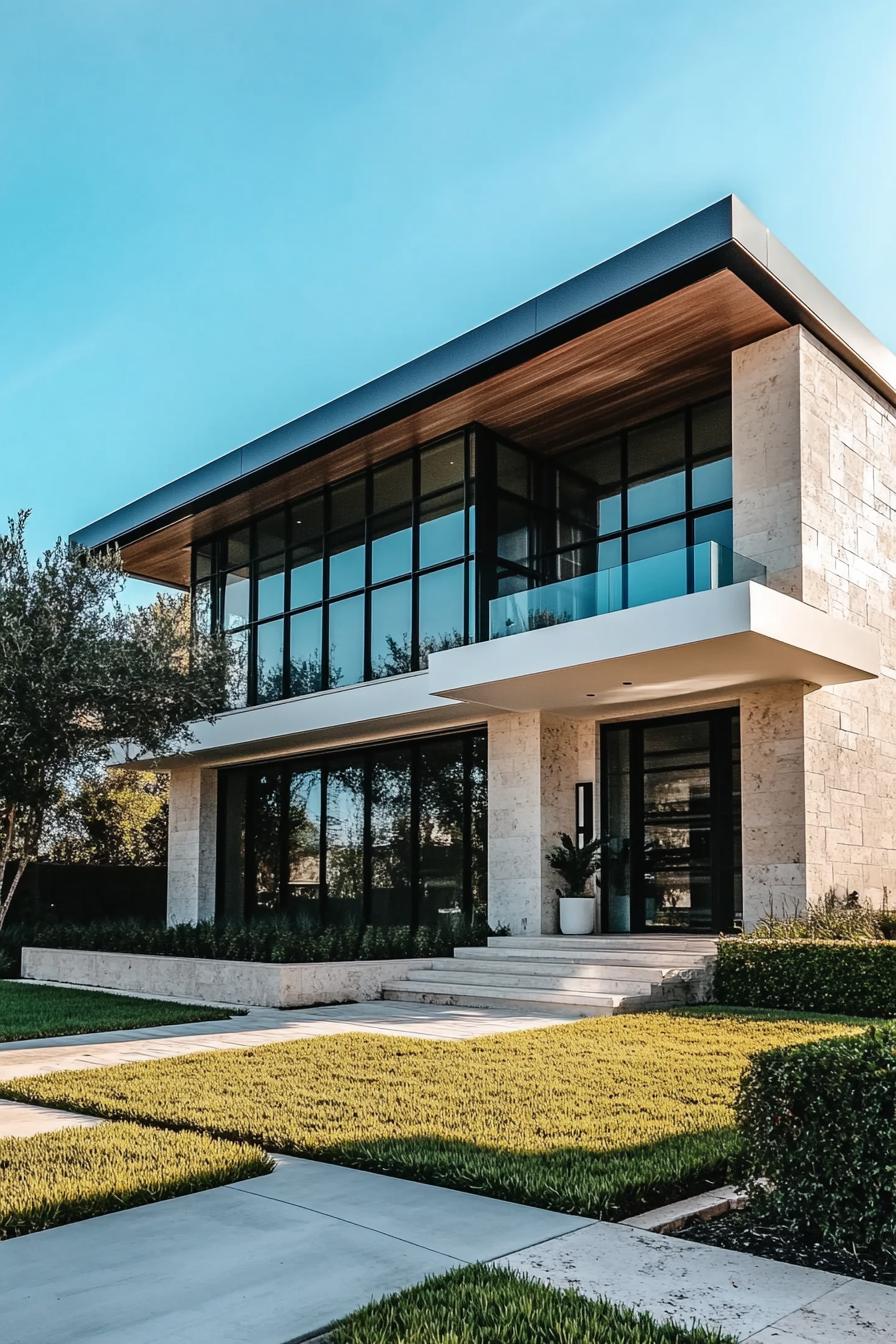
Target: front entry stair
x,y
584,977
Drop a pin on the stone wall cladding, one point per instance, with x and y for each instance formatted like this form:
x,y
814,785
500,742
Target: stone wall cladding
x,y
809,433
246,983
192,842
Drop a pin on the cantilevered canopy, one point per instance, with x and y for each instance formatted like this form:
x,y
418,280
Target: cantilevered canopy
x,y
627,339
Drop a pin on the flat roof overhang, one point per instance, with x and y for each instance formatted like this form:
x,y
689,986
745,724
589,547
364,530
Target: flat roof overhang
x,y
693,647
632,335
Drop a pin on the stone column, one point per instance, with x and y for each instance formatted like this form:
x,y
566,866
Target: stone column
x,y
773,800
192,837
534,763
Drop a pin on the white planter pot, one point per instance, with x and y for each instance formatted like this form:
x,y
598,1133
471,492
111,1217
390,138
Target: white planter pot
x,y
577,914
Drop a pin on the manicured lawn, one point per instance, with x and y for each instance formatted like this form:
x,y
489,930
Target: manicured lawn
x,y
75,1173
479,1305
31,1011
602,1117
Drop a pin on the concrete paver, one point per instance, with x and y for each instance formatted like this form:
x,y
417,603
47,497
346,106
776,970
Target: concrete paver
x,y
745,1295
266,1260
262,1026
18,1120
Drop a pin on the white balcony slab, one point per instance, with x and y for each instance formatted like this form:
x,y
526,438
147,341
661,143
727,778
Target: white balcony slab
x,y
724,639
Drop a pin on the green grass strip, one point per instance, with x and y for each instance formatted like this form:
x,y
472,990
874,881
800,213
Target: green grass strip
x,y
29,1012
602,1117
60,1177
479,1305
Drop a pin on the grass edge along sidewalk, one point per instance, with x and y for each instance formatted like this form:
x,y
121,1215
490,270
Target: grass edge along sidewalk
x,y
47,1180
603,1117
33,1012
483,1305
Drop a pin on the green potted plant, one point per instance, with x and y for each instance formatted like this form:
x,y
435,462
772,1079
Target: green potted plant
x,y
577,866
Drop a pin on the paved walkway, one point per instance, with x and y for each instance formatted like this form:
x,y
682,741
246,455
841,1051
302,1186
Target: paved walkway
x,y
756,1300
268,1260
262,1026
18,1120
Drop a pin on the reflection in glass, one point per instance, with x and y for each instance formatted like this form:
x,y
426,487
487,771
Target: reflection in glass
x,y
442,466
345,843
346,642
513,529
441,616
266,825
441,830
657,446
718,526
269,662
392,486
656,499
202,607
269,534
303,845
609,514
478,826
348,503
236,598
391,549
236,548
442,528
711,482
347,561
615,865
390,630
307,521
305,673
307,575
237,689
390,838
271,587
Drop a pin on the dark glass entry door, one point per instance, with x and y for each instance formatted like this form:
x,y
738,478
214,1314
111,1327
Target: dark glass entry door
x,y
670,804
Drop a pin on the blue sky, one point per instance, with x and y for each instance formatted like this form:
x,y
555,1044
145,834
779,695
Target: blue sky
x,y
216,214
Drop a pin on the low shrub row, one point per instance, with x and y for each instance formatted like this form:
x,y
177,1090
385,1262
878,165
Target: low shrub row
x,y
68,1174
855,978
269,939
482,1305
818,1143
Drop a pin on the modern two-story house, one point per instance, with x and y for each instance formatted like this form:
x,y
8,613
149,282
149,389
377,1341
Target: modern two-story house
x,y
621,561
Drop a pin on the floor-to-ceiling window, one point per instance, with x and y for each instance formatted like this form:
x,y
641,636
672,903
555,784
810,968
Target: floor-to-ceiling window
x,y
671,824
392,834
363,579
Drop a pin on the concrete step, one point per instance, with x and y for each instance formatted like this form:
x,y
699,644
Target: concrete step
x,y
467,995
664,959
597,942
535,968
521,980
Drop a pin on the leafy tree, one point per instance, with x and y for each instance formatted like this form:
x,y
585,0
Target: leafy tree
x,y
78,673
118,816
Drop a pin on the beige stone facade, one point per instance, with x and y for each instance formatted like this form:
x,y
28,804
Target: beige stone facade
x,y
814,458
192,841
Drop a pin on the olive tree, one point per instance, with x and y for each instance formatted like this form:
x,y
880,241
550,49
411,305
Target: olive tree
x,y
81,673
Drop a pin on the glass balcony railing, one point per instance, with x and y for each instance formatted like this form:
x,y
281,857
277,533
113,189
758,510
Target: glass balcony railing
x,y
694,569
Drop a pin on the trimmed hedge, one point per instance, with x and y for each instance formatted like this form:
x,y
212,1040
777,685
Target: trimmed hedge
x,y
270,939
818,1134
857,979
483,1305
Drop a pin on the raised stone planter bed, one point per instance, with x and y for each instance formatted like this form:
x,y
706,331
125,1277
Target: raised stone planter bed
x,y
268,984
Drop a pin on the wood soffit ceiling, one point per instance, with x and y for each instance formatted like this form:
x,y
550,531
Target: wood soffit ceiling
x,y
643,363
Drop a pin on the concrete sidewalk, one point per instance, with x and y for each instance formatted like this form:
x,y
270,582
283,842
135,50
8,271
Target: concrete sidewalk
x,y
756,1300
266,1260
262,1026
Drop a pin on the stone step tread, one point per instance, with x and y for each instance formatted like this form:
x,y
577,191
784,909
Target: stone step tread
x,y
502,992
506,1000
616,942
584,970
659,958
572,984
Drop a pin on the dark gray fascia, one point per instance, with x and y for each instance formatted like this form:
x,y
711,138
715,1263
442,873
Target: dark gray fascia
x,y
725,234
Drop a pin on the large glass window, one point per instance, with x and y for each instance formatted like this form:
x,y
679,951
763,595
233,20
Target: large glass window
x,y
384,835
369,576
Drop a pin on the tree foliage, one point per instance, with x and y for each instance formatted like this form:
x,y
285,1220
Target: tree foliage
x,y
116,817
79,673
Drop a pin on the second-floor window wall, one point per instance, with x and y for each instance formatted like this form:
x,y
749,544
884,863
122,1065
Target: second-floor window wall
x,y
363,579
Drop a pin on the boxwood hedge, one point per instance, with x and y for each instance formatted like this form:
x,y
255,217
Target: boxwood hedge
x,y
818,1134
857,979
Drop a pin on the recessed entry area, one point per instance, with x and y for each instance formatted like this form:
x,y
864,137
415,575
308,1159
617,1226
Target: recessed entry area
x,y
670,810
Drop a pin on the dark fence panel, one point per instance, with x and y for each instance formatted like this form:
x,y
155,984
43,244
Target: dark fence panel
x,y
79,893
